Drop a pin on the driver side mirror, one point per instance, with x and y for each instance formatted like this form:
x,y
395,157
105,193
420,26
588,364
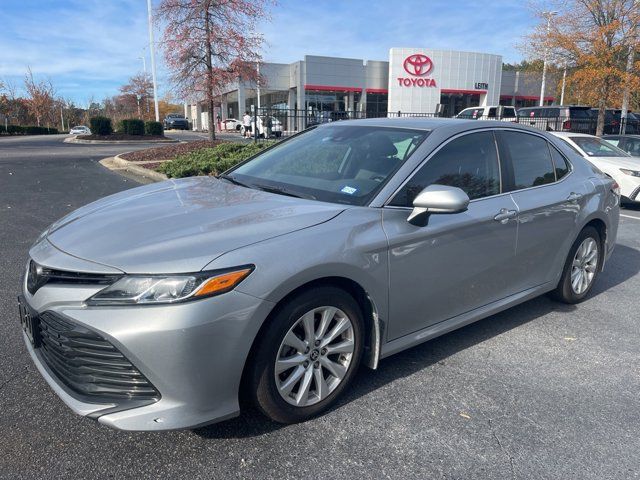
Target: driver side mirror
x,y
437,199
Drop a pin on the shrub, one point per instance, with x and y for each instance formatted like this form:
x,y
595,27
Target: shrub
x,y
101,126
131,126
2,129
14,129
153,128
34,130
211,161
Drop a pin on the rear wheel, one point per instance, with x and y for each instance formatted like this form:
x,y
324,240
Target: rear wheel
x,y
581,268
308,356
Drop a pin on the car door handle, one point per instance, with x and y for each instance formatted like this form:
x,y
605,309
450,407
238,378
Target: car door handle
x,y
574,197
505,215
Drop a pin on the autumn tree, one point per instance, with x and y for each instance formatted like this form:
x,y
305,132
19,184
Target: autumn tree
x,y
40,97
209,44
140,89
593,39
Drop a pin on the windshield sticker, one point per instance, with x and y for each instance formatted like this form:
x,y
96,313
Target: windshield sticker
x,y
349,190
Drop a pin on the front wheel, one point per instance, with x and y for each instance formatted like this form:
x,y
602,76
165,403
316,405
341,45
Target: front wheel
x,y
581,267
308,356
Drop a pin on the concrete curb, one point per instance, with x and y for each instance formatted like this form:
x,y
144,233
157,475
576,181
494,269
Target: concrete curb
x,y
115,142
120,165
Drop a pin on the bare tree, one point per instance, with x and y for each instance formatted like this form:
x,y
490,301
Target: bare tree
x,y
140,88
209,44
40,97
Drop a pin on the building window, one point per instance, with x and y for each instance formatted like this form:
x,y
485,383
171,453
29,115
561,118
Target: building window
x,y
377,104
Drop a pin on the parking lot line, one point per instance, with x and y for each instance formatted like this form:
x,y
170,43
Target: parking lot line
x,y
630,216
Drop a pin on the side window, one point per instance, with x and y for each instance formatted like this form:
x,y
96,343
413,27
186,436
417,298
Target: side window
x,y
469,162
530,159
492,113
561,164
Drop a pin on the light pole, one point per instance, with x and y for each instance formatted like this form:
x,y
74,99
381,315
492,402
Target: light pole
x,y
153,60
564,81
144,64
548,16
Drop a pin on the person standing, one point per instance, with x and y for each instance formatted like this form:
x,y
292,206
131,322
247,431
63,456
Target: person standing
x,y
246,123
269,123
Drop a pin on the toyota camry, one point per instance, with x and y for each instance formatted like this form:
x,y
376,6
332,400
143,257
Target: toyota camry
x,y
160,306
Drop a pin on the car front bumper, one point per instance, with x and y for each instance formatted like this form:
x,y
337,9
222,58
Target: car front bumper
x,y
193,353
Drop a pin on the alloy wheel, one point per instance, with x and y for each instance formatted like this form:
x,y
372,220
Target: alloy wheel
x,y
585,263
314,356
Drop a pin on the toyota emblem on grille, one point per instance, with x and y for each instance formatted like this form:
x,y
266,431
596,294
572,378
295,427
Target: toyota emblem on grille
x,y
417,64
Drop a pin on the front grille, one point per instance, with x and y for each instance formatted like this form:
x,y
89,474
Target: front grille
x,y
38,276
88,364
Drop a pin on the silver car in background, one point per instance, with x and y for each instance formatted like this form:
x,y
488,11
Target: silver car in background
x,y
347,243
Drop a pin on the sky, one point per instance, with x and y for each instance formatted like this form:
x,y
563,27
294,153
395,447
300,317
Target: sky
x,y
88,48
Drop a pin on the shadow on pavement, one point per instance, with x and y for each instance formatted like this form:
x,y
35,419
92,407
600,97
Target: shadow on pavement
x,y
624,264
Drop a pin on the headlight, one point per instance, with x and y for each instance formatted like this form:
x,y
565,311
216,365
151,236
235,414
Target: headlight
x,y
154,289
633,173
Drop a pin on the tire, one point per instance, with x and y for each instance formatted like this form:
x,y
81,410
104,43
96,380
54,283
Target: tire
x,y
278,134
281,396
566,291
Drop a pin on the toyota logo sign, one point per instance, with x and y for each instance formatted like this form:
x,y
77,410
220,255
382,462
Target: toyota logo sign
x,y
417,65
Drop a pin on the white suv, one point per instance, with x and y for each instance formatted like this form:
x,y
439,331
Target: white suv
x,y
489,113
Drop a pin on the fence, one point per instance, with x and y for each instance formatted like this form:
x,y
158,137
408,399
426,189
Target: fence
x,y
276,124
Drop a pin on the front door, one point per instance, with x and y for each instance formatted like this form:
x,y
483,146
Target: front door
x,y
457,262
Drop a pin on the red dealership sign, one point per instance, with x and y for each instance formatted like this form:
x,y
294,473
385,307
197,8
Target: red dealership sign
x,y
417,65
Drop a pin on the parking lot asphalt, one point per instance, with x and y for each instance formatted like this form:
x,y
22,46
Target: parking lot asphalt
x,y
541,391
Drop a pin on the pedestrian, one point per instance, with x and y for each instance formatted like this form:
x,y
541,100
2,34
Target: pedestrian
x,y
219,119
269,123
246,123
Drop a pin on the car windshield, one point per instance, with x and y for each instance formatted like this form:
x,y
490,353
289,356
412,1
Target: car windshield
x,y
340,164
596,147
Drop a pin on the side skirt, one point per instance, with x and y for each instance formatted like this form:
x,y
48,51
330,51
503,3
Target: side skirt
x,y
461,320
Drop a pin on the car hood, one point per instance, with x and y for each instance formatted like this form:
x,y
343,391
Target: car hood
x,y
181,225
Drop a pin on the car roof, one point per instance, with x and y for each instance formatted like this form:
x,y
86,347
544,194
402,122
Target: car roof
x,y
429,123
571,134
626,135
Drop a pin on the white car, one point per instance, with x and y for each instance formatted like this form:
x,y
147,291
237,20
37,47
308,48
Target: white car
x,y
80,130
489,113
231,124
276,127
613,161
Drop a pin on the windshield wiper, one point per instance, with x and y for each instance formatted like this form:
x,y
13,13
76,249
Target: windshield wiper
x,y
282,191
231,179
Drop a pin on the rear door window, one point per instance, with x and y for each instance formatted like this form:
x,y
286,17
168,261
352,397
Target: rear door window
x,y
559,162
530,159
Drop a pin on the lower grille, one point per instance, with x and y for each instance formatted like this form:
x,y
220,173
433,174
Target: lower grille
x,y
634,194
88,364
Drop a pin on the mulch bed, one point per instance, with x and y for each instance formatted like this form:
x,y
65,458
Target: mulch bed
x,y
167,152
123,136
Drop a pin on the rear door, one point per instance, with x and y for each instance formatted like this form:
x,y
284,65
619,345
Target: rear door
x,y
549,200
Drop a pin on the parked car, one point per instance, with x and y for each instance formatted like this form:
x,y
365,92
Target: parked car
x,y
176,121
276,127
352,241
495,112
628,143
611,160
80,130
569,118
232,124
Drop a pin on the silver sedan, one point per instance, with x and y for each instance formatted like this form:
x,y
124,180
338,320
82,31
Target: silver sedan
x,y
157,307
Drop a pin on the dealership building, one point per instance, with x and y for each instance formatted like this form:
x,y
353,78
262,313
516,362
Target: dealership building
x,y
413,81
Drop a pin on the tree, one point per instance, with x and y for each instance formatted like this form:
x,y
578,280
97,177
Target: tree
x,y
140,88
593,38
40,97
209,44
